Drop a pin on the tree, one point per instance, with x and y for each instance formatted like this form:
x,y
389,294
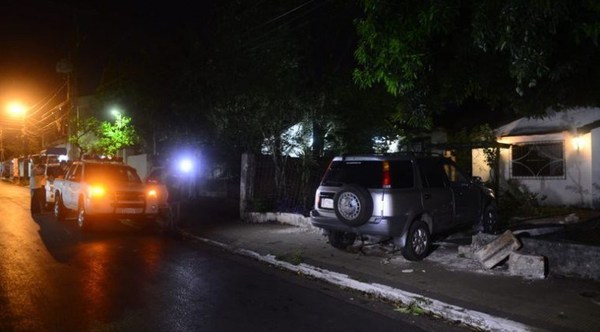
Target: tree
x,y
84,133
92,136
516,55
116,136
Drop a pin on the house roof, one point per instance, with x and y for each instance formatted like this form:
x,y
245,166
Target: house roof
x,y
580,120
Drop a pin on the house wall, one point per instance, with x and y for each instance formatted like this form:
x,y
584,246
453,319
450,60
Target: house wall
x,y
479,166
140,163
576,188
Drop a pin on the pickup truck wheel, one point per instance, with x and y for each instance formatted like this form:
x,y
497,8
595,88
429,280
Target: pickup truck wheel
x,y
341,240
59,208
83,219
418,242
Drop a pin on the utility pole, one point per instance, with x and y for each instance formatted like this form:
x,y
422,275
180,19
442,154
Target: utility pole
x,y
66,66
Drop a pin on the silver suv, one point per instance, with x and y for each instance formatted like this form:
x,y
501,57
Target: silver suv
x,y
406,198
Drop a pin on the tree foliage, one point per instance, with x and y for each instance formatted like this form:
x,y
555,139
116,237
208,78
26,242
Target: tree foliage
x,y
93,136
84,133
116,136
521,55
243,73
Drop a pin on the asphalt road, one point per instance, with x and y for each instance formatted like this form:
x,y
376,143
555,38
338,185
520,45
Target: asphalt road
x,y
122,278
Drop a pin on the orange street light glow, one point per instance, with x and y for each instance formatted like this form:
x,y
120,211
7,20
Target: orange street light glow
x,y
17,109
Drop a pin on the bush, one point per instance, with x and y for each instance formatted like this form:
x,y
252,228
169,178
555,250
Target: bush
x,y
516,201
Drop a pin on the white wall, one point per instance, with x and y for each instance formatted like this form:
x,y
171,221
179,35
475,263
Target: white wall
x,y
140,163
576,188
479,166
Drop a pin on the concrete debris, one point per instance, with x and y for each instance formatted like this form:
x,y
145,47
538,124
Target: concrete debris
x,y
498,250
466,251
481,239
527,266
537,231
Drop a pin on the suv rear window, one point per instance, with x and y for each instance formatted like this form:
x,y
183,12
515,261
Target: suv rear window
x,y
368,174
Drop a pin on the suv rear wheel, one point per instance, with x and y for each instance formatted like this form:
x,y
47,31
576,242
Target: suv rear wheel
x,y
341,240
353,205
418,242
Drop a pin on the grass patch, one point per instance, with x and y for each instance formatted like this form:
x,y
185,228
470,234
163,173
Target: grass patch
x,y
413,309
296,257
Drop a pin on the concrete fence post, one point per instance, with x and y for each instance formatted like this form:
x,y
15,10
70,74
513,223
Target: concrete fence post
x,y
246,181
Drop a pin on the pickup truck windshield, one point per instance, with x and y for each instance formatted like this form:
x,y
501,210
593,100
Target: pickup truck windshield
x,y
116,173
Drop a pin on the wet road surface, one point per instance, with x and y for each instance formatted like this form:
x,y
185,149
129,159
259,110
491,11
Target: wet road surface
x,y
123,278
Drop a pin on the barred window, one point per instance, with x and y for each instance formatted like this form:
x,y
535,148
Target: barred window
x,y
538,160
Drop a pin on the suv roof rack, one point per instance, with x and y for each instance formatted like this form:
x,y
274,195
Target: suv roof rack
x,y
392,154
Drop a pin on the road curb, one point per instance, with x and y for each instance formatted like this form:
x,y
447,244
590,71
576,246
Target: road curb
x,y
476,319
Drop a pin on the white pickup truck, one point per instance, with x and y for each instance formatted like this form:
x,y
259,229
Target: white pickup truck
x,y
103,190
52,172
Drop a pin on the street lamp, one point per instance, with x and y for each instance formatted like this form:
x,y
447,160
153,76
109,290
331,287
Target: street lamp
x,y
19,109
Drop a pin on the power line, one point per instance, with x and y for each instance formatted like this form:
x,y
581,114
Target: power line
x,y
282,15
50,98
256,41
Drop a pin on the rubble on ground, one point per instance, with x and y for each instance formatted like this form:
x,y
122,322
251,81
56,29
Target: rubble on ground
x,y
491,251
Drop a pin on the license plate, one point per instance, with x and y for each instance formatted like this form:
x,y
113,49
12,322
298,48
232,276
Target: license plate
x,y
327,203
129,210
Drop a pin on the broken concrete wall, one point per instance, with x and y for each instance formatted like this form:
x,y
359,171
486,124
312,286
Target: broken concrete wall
x,y
566,259
562,258
498,250
527,266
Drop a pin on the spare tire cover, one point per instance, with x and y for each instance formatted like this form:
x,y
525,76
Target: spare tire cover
x,y
353,205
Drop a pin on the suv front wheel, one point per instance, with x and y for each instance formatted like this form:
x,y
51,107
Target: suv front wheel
x,y
490,219
418,242
353,205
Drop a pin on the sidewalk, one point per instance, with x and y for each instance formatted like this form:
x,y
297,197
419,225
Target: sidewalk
x,y
451,287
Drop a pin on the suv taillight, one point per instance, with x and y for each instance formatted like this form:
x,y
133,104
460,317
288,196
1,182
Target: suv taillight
x,y
386,181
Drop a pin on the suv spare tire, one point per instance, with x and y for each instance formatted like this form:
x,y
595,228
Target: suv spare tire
x,y
353,205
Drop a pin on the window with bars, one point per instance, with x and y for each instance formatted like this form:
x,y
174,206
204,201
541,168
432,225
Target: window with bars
x,y
538,160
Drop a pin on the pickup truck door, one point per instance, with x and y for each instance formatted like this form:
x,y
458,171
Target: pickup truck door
x,y
71,187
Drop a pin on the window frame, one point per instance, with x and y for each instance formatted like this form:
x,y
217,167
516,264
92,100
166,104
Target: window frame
x,y
550,161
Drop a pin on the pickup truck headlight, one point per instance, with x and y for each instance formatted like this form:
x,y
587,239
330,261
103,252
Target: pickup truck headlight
x,y
152,193
97,191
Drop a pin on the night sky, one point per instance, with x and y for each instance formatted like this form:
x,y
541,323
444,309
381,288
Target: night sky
x,y
36,34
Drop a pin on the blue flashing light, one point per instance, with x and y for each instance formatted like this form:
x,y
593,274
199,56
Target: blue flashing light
x,y
186,166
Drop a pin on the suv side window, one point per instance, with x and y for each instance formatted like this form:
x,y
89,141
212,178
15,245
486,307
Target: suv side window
x,y
455,176
432,173
402,174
